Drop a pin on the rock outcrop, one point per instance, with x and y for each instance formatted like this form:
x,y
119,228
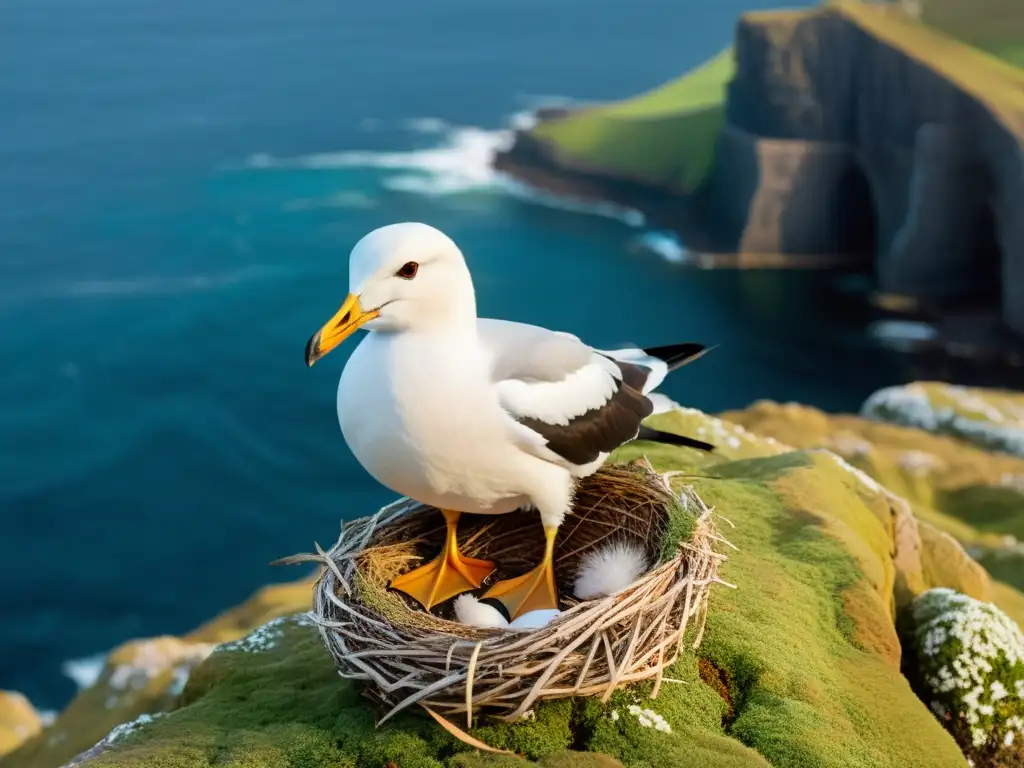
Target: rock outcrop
x,y
140,678
856,127
19,721
850,130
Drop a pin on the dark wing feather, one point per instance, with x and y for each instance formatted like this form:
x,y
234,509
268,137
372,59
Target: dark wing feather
x,y
601,429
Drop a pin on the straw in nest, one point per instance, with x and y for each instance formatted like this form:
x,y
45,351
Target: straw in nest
x,y
408,656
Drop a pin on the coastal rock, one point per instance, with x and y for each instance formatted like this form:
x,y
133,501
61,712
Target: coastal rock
x,y
19,721
990,419
144,678
800,663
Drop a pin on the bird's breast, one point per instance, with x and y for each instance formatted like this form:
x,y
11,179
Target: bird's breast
x,y
422,419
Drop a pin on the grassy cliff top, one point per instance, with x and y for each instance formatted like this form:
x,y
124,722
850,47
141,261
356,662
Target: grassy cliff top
x,y
664,137
996,26
996,83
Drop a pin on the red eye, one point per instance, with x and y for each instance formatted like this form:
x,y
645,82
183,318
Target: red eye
x,y
408,270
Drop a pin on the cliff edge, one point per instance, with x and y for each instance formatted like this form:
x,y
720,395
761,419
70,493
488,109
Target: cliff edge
x,y
849,130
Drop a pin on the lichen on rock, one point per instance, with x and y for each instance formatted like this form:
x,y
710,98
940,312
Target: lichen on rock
x,y
967,663
990,419
19,721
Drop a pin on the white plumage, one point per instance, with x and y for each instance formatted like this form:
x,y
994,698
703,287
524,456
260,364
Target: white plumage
x,y
469,610
609,569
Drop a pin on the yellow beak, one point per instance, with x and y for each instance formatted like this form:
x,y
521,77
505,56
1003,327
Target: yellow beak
x,y
344,323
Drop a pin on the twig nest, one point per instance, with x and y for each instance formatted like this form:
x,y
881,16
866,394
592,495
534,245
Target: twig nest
x,y
466,657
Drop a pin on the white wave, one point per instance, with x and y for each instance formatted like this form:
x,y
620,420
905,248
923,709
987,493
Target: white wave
x,y
665,244
462,163
85,671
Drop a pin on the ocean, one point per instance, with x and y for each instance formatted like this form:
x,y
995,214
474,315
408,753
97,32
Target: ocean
x,y
180,184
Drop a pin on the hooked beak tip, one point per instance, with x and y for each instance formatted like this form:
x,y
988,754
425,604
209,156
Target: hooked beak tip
x,y
313,349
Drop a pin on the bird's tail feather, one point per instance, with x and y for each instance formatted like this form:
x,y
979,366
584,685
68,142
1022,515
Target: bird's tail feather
x,y
657,436
677,355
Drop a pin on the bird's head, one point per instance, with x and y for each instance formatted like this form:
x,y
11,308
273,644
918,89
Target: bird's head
x,y
401,276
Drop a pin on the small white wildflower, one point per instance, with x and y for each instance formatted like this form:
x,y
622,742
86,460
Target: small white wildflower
x,y
614,715
648,718
1008,738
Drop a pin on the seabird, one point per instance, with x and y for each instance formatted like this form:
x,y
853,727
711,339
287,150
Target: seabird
x,y
477,415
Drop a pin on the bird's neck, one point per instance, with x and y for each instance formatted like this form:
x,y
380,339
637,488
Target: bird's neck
x,y
451,314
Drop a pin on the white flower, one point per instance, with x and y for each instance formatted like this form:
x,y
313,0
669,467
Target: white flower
x,y
648,718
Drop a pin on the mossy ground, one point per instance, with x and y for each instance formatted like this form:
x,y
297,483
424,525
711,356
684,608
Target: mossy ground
x,y
799,665
954,486
147,676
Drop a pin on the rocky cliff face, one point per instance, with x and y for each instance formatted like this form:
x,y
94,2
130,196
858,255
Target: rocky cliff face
x,y
852,127
851,130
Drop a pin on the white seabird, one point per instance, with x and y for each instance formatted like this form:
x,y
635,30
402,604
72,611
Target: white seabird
x,y
476,415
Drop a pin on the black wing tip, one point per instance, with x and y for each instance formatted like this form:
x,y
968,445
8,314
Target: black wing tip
x,y
657,436
677,355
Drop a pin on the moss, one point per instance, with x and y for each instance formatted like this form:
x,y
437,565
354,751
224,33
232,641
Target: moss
x,y
19,721
964,492
640,138
799,663
967,661
146,676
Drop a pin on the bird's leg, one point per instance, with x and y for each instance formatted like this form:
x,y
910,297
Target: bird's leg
x,y
534,590
446,575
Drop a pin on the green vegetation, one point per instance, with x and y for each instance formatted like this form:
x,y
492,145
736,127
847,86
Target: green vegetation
x,y
968,665
665,137
996,83
799,665
953,486
18,721
145,676
995,26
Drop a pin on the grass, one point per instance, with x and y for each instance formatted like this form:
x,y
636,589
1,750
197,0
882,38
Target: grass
x,y
665,137
996,26
799,665
996,83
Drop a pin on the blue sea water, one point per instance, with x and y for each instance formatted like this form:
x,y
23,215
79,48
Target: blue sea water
x,y
180,183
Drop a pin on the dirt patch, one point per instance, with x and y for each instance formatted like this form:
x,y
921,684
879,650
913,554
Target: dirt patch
x,y
722,683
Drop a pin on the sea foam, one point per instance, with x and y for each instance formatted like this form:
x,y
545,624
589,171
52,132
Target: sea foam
x,y
462,162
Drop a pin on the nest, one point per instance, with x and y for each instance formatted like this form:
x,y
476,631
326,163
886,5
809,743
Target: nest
x,y
410,657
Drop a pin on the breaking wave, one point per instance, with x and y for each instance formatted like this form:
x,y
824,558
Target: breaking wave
x,y
461,163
